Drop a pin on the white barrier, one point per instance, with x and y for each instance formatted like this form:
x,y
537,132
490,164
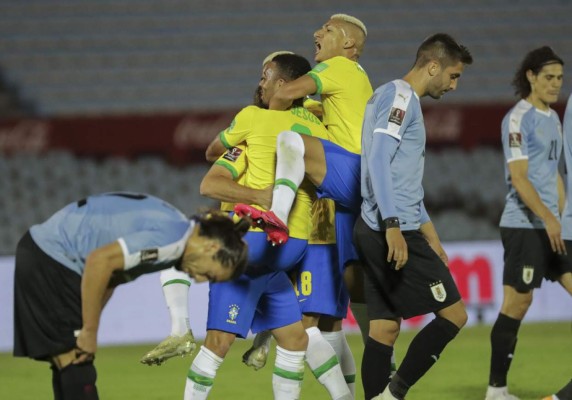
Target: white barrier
x,y
137,313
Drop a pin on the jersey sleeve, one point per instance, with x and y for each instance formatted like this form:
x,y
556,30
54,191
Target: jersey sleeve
x,y
328,76
234,159
392,111
517,131
160,245
239,128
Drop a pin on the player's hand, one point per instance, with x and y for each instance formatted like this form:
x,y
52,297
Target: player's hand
x,y
86,346
554,231
438,248
397,248
265,197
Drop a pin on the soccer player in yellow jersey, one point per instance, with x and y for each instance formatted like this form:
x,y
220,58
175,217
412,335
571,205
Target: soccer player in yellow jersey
x,y
176,284
334,167
262,299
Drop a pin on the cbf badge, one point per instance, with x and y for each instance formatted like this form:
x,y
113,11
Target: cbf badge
x,y
527,274
232,313
438,291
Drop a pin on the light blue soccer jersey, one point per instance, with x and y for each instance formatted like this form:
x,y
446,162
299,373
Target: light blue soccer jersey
x,y
395,112
534,135
151,232
567,214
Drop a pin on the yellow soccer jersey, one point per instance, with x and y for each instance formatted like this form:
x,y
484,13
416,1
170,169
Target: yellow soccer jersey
x,y
345,90
258,129
235,161
323,222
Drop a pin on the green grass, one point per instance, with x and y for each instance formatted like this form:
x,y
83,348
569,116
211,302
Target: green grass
x,y
543,363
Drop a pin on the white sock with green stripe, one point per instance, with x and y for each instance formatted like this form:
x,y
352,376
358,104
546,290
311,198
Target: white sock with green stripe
x,y
347,363
288,374
201,375
176,291
323,362
290,172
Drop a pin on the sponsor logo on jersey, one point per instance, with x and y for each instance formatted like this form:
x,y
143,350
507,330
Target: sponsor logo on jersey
x,y
527,274
232,154
515,139
438,291
149,255
233,310
396,116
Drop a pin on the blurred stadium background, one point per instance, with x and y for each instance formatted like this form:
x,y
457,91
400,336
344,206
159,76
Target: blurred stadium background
x,y
101,95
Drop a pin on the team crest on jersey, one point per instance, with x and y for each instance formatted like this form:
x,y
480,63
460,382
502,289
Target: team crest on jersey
x,y
232,154
439,292
233,310
515,139
396,115
527,274
149,255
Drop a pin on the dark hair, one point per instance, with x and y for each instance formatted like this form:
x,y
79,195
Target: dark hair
x,y
534,61
443,48
291,67
234,250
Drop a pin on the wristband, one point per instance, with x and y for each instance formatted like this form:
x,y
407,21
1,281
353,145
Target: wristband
x,y
391,222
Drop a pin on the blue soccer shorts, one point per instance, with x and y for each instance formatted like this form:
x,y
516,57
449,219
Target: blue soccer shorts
x,y
320,282
248,303
342,181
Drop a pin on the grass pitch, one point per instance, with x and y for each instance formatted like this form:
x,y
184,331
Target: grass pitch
x,y
542,364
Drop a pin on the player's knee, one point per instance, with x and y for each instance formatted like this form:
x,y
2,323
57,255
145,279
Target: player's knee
x,y
460,318
384,331
77,381
291,142
296,340
516,304
219,342
456,314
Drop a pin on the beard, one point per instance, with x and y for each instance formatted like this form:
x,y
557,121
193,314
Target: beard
x,y
258,102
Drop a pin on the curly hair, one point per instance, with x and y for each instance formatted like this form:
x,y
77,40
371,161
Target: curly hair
x,y
534,61
234,250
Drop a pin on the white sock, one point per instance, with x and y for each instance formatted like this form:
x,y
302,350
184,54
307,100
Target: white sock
x,y
347,363
290,171
323,362
288,374
176,291
200,377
